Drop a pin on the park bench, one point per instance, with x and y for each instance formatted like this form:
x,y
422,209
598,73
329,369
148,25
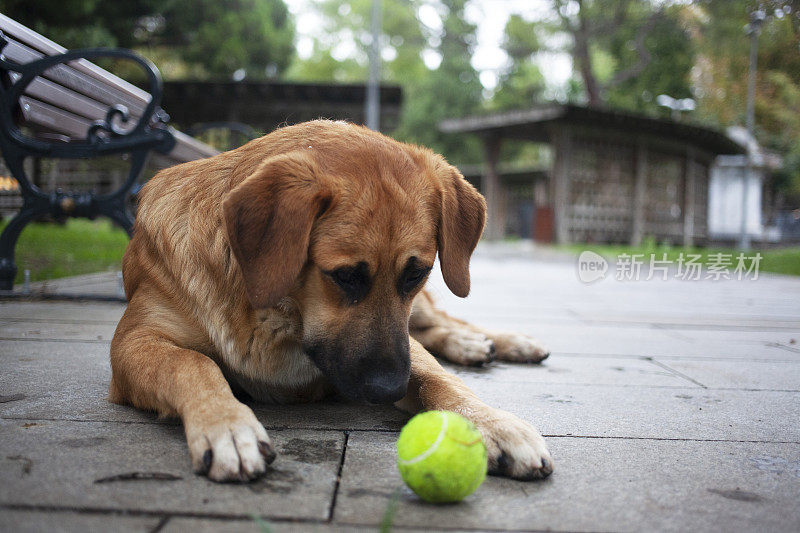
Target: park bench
x,y
57,104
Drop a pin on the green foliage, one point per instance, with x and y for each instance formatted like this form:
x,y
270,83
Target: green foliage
x,y
254,35
522,83
404,37
721,88
451,90
625,51
667,71
204,38
81,23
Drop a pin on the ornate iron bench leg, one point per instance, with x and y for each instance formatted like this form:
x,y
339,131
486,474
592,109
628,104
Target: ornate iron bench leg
x,y
118,133
8,240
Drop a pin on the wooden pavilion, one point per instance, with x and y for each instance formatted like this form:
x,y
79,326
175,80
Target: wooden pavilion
x,y
265,105
615,177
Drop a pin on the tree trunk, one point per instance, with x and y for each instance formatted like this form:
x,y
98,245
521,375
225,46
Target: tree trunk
x,y
581,56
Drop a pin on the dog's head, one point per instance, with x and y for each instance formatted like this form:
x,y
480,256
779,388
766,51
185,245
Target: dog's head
x,y
347,223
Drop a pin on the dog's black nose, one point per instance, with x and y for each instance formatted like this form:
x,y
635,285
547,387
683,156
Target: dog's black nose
x,y
383,388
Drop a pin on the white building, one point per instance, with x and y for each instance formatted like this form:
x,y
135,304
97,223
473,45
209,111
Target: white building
x,y
725,191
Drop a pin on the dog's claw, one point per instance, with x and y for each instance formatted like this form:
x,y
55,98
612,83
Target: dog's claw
x,y
516,449
267,451
208,458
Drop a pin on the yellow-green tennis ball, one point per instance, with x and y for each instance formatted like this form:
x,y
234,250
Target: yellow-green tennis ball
x,y
441,456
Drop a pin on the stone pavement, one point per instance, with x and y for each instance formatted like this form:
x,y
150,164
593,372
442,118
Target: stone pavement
x,y
667,405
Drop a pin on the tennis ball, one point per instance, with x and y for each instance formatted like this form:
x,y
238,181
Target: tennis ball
x,y
441,456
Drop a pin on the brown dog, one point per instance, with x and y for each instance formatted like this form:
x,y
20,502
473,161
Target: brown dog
x,y
291,268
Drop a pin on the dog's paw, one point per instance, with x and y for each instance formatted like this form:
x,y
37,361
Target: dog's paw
x,y
229,444
518,348
467,347
515,448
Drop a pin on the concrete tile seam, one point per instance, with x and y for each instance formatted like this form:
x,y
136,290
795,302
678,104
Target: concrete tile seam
x,y
332,506
658,439
556,354
161,524
16,320
160,422
149,512
783,347
397,431
716,327
45,339
677,373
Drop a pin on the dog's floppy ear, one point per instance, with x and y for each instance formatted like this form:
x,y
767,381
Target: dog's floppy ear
x,y
460,228
268,219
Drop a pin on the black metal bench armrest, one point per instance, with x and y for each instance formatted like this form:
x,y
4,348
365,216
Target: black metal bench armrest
x,y
103,137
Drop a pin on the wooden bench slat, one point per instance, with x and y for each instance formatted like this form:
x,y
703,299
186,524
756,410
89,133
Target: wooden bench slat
x,y
59,96
53,118
188,148
69,77
67,98
48,47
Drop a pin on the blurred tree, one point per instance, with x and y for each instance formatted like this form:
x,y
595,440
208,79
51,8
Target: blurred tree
x,y
450,89
81,23
453,89
720,79
212,38
626,51
341,46
521,83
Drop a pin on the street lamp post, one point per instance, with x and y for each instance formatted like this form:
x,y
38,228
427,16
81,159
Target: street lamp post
x,y
753,29
372,104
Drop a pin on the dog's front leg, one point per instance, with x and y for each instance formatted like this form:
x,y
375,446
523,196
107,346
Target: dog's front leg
x,y
516,449
226,440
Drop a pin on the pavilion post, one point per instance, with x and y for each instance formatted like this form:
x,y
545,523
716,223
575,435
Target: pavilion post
x,y
562,146
495,222
639,194
689,180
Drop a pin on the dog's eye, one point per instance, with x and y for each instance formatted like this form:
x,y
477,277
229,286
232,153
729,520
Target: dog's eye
x,y
346,278
412,278
353,281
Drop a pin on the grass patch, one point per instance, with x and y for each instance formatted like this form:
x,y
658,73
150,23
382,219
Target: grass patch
x,y
779,261
82,246
78,247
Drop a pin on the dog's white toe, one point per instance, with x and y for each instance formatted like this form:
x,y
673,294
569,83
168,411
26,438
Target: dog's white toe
x,y
518,348
515,448
469,348
232,446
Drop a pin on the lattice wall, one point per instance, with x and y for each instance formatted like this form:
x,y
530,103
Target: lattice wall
x,y
600,192
664,203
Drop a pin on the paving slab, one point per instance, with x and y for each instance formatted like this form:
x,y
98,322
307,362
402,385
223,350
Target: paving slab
x,y
761,375
62,464
210,525
25,521
72,311
557,406
69,381
57,330
578,370
649,412
598,485
739,335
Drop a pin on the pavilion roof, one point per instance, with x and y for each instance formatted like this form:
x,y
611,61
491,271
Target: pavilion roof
x,y
528,124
